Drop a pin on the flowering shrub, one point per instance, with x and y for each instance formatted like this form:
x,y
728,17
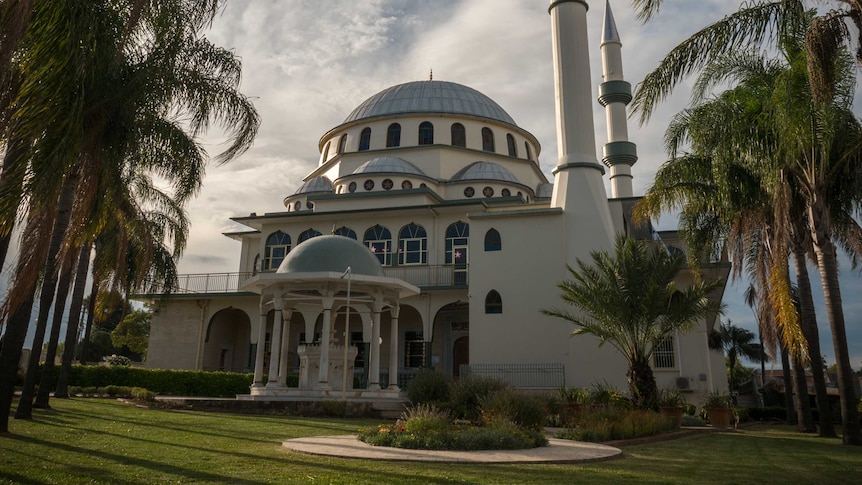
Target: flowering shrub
x,y
118,360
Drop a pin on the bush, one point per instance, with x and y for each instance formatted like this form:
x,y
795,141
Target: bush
x,y
607,396
465,394
425,419
121,360
611,423
691,420
429,387
166,382
141,394
524,410
466,438
741,414
74,391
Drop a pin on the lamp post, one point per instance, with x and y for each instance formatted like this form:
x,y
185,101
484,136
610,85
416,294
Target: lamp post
x,y
348,273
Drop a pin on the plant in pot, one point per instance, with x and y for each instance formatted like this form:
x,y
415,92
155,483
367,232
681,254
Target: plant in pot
x,y
671,404
719,409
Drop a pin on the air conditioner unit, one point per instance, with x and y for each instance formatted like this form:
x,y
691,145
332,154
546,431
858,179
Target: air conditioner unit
x,y
682,383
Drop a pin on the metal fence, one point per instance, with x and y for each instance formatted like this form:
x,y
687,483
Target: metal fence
x,y
429,275
211,282
525,376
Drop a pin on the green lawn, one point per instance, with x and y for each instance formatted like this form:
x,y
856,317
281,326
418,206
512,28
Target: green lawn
x,y
105,441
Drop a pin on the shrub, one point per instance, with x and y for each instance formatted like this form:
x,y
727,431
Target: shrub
x,y
89,391
167,382
608,396
465,394
611,423
511,405
429,387
741,414
466,438
425,419
121,360
141,394
74,391
690,420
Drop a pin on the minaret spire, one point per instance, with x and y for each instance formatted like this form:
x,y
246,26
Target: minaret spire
x,y
619,154
578,186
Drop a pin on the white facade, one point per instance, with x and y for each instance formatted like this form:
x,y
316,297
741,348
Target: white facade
x,y
458,207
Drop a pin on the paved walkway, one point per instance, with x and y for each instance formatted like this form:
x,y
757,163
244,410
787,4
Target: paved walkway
x,y
557,451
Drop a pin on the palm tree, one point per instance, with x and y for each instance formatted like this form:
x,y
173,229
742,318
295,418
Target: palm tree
x,y
811,150
736,343
630,299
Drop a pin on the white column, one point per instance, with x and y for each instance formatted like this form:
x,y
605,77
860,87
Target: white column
x,y
283,361
261,342
374,362
323,377
393,349
275,349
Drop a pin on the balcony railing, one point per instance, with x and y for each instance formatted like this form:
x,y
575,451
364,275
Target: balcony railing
x,y
423,276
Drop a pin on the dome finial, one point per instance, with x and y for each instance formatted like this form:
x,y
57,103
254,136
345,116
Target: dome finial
x,y
431,76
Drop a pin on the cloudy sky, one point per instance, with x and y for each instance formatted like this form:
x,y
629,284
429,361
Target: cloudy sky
x,y
307,64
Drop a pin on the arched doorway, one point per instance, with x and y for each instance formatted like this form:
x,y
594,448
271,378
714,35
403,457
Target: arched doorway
x,y
227,341
460,354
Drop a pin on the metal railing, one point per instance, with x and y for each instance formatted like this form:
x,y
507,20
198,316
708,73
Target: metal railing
x,y
210,282
526,376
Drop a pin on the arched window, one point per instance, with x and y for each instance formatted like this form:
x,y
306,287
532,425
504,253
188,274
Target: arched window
x,y
487,139
459,136
346,232
308,234
457,236
365,139
529,152
256,266
426,133
393,135
277,247
493,302
379,241
493,241
342,143
412,245
326,151
510,141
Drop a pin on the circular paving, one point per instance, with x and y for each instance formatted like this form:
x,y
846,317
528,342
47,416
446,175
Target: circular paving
x,y
557,451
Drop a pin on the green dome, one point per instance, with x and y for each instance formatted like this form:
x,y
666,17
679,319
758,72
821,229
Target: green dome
x,y
331,254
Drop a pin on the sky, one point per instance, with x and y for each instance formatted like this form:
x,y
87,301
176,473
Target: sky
x,y
308,63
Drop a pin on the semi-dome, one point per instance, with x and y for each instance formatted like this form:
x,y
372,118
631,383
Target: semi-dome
x,y
316,184
389,165
430,97
484,171
331,254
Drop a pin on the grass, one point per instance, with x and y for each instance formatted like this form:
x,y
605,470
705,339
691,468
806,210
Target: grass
x,y
105,441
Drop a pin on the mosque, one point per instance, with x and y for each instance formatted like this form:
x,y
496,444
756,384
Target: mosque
x,y
428,237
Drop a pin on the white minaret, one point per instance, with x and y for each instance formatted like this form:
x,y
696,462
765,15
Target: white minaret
x,y
619,154
578,186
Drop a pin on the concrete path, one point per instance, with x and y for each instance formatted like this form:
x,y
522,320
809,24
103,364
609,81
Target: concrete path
x,y
348,446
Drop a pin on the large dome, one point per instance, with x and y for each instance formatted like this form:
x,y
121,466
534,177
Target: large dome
x,y
430,97
331,254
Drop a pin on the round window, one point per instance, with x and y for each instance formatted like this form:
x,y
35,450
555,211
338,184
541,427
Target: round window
x,y
469,192
406,185
309,205
298,205
369,184
488,192
387,184
352,187
505,192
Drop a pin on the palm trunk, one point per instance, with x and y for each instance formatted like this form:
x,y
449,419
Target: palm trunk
x,y
11,182
91,305
818,220
16,331
808,323
83,268
788,383
803,406
642,385
49,283
43,394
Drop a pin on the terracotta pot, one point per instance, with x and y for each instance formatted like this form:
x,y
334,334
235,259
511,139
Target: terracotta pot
x,y
673,413
719,418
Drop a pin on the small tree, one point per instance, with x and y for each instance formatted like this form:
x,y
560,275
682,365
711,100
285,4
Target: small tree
x,y
133,332
631,300
736,343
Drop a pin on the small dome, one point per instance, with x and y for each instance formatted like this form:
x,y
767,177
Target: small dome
x,y
484,171
317,184
430,97
389,165
331,254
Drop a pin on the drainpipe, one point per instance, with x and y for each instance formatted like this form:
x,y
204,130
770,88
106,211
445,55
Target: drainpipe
x,y
202,304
